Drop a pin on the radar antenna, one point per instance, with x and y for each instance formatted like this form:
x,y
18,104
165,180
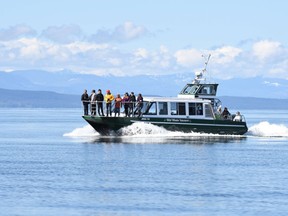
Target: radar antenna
x,y
199,75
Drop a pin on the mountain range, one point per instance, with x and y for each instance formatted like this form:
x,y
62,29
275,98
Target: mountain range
x,y
36,88
48,99
68,82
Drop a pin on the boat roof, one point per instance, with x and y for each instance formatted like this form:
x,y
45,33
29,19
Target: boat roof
x,y
175,99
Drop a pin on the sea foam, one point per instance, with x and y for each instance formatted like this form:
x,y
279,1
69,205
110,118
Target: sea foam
x,y
141,129
85,131
266,129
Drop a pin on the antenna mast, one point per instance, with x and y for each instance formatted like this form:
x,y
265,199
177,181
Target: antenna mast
x,y
206,62
199,75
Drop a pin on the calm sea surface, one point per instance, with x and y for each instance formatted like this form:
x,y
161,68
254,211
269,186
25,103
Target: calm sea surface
x,y
52,163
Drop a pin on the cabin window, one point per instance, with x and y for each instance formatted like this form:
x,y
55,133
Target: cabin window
x,y
190,89
195,108
208,111
178,108
207,90
163,108
151,109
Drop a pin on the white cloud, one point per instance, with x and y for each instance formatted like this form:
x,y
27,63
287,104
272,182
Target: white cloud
x,y
129,31
32,48
63,34
15,32
141,53
22,51
225,55
122,33
266,49
33,52
189,57
272,83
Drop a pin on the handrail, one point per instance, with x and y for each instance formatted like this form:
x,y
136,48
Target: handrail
x,y
132,112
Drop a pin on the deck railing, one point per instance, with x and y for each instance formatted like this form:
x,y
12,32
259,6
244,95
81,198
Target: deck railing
x,y
133,108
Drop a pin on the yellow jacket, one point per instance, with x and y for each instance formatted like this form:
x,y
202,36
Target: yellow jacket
x,y
109,98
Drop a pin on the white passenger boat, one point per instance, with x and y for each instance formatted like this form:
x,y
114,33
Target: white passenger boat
x,y
193,110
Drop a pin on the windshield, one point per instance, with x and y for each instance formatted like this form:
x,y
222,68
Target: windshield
x,y
190,89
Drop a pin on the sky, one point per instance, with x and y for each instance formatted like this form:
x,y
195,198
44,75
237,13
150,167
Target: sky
x,y
246,38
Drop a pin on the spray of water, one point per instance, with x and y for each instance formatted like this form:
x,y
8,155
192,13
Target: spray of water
x,y
86,131
266,129
141,129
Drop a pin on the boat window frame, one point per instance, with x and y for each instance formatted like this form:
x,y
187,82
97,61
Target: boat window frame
x,y
190,89
163,111
150,104
176,108
207,89
198,109
209,111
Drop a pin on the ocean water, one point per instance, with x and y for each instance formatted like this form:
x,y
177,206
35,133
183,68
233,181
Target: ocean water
x,y
53,163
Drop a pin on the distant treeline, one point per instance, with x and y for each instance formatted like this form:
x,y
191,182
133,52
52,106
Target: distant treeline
x,y
47,99
41,99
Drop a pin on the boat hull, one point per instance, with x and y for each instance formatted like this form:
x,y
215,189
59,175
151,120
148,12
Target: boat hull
x,y
104,125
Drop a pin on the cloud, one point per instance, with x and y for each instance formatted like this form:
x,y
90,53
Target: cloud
x,y
265,49
15,32
122,33
275,84
63,34
189,57
34,53
225,54
66,47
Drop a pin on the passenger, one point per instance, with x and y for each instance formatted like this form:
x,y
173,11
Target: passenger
x,y
225,114
85,101
118,105
219,112
93,102
139,104
108,99
199,109
132,103
238,117
125,101
100,99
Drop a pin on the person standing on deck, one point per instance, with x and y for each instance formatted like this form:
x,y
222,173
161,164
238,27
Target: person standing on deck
x,y
118,105
108,99
132,103
85,101
93,102
100,100
139,104
125,101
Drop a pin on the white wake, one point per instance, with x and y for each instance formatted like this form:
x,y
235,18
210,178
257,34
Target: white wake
x,y
138,129
86,131
141,129
266,129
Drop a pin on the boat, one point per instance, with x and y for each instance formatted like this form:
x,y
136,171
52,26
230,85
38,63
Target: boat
x,y
195,109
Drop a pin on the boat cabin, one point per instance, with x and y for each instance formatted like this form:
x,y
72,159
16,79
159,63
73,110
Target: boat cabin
x,y
178,108
197,90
